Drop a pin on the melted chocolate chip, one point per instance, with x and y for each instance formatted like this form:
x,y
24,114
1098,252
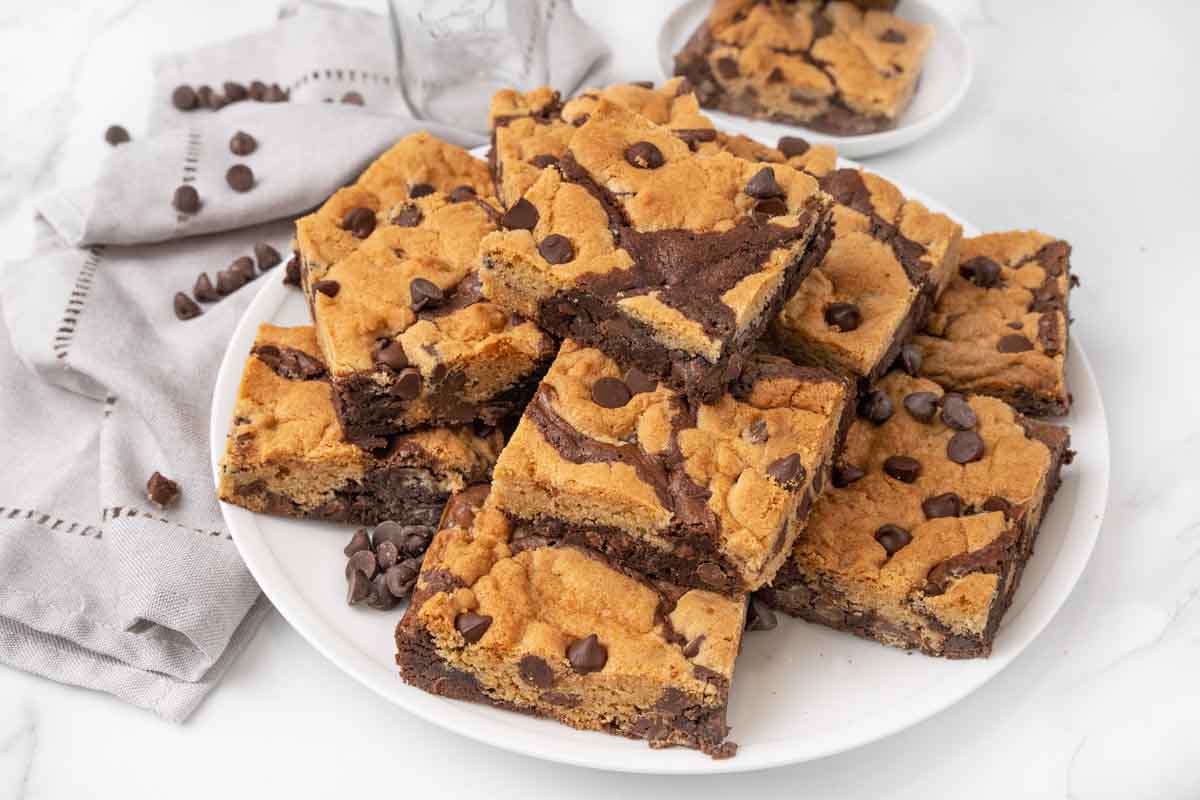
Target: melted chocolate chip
x,y
359,221
327,287
639,382
787,471
420,190
1014,343
792,146
909,359
965,447
957,413
409,216
942,505
692,648
982,271
892,538
587,654
921,406
846,474
556,249
543,160
460,194
764,185
771,207
522,216
875,406
843,316
756,432
472,626
536,672
905,469
392,356
425,293
408,384
995,503
610,392
644,155
711,574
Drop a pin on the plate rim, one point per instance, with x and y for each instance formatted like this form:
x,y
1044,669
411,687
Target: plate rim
x,y
472,722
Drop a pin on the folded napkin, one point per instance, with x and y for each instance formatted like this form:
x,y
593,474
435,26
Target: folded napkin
x,y
101,385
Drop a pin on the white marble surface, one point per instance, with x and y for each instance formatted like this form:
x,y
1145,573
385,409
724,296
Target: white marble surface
x,y
1080,122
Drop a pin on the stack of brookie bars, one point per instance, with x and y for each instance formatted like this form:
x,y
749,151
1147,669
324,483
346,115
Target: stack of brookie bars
x,y
703,377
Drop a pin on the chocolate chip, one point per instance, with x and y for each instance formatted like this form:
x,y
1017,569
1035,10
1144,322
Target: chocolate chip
x,y
359,541
410,540
409,216
116,135
362,561
639,382
792,146
580,121
875,406
756,432
610,393
522,216
957,413
846,474
203,93
775,76
644,155
921,406
893,36
203,289
358,587
359,221
536,672
982,271
275,94
420,190
942,505
892,538
965,447
843,316
240,178
161,490
760,616
185,307
425,293
543,160
267,256
229,281
909,359
711,574
291,273
695,136
787,471
242,144
184,97
327,287
1014,343
772,207
460,194
472,626
244,266
1016,326
215,101
905,469
643,84
587,655
994,503
764,185
352,99
380,597
258,90
408,384
392,355
401,578
556,249
386,554
728,67
186,199
234,93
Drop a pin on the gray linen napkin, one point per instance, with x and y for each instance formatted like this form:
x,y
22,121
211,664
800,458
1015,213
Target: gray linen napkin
x,y
100,384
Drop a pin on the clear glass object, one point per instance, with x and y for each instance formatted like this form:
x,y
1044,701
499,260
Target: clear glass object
x,y
455,54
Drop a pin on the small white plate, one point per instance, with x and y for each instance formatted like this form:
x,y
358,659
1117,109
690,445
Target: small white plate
x,y
943,84
801,692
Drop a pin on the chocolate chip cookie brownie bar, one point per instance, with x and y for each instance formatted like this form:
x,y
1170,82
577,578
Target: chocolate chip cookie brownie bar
x,y
560,632
889,261
709,496
935,506
390,274
670,261
830,66
286,454
1000,328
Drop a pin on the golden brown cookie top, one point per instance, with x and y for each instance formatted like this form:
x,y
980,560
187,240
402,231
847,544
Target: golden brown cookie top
x,y
539,601
927,484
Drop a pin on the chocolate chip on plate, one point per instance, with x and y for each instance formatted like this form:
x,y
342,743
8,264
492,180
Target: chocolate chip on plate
x,y
266,255
875,406
258,90
763,185
116,135
204,290
184,97
291,273
556,249
275,94
362,561
522,216
186,199
921,406
240,178
387,554
229,281
846,474
359,541
234,93
905,469
965,447
242,144
587,654
843,316
327,287
392,355
357,589
957,412
425,293
644,155
792,146
1014,343
161,490
185,307
472,626
610,392
352,99
942,505
244,266
892,538
359,221
402,577
760,616
787,471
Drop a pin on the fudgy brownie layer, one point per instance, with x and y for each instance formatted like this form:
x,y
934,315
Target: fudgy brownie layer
x,y
402,494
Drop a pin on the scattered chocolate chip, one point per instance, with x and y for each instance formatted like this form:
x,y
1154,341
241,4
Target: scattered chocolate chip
x,y
402,577
229,281
161,490
357,589
728,67
536,672
909,359
639,382
522,216
362,561
203,289
965,447
843,316
893,36
215,101
380,597
875,406
409,216
764,185
942,505
244,266
556,249
792,146
1014,343
460,194
359,541
921,406
116,135
275,94
392,355
892,538
352,99
760,616
543,160
359,221
291,273
787,471
267,256
644,155
982,271
610,393
185,307
186,200
472,626
408,384
957,413
234,93
184,97
846,474
425,293
327,287
711,574
756,432
905,469
242,144
240,178
587,655
410,540
258,90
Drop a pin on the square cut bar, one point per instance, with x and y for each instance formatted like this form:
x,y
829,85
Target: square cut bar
x,y
286,455
710,496
670,261
560,632
1000,328
889,261
829,66
389,269
935,506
